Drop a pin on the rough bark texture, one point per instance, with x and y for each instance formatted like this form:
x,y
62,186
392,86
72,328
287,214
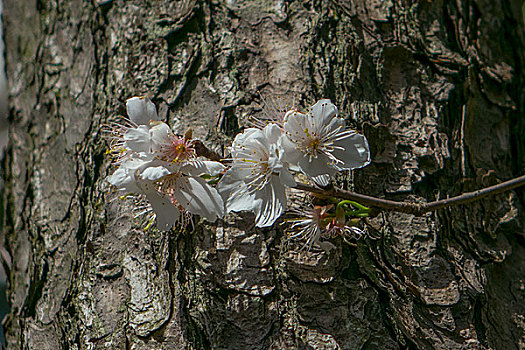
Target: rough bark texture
x,y
436,86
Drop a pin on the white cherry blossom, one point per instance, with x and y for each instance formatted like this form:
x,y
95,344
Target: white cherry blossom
x,y
318,222
257,175
163,167
309,227
318,144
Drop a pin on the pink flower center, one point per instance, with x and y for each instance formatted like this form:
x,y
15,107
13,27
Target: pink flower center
x,y
180,149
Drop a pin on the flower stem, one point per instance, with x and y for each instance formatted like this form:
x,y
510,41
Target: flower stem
x,y
355,204
361,211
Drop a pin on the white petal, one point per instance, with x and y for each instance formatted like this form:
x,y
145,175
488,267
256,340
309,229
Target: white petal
x,y
154,173
138,139
196,196
235,193
295,126
272,203
241,139
242,171
295,168
124,180
160,134
166,212
286,178
139,160
333,124
241,200
118,177
290,153
355,152
292,114
252,140
322,180
323,112
125,177
272,133
319,165
141,110
200,167
135,162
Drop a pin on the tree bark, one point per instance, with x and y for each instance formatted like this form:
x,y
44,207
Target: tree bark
x,y
434,85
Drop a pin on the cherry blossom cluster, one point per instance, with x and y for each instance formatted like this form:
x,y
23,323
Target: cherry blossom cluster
x,y
164,167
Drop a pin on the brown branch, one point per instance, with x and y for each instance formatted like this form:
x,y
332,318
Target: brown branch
x,y
414,208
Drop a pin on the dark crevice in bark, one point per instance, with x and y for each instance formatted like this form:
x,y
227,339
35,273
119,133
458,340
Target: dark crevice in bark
x,y
479,325
36,287
387,313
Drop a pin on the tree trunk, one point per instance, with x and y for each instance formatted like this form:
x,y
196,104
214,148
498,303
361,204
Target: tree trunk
x,y
434,85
